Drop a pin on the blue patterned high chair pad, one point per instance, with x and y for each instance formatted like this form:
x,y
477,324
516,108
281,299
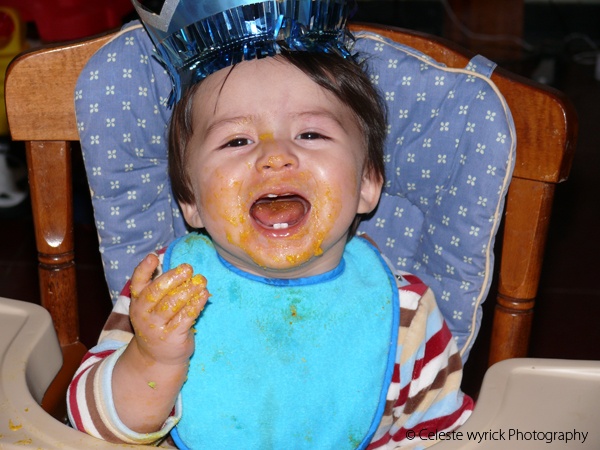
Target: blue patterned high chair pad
x,y
449,159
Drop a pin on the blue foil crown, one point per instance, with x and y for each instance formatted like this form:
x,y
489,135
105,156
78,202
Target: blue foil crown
x,y
191,45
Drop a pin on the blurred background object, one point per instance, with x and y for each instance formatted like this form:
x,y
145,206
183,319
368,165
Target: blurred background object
x,y
13,173
30,23
12,42
65,20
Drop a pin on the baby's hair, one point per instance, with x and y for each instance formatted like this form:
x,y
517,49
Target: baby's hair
x,y
343,77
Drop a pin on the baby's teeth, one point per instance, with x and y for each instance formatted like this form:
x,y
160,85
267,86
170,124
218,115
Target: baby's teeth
x,y
280,226
272,195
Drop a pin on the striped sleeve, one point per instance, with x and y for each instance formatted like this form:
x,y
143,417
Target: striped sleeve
x,y
89,398
425,394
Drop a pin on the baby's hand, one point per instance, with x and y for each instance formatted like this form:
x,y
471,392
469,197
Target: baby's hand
x,y
164,310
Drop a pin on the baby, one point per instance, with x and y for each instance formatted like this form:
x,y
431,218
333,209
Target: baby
x,y
309,340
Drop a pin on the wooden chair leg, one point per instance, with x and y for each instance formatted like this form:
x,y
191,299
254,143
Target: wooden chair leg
x,y
50,178
527,220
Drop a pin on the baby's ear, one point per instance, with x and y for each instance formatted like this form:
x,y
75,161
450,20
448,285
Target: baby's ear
x,y
191,215
370,191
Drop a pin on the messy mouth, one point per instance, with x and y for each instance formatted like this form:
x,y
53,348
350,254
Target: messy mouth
x,y
279,211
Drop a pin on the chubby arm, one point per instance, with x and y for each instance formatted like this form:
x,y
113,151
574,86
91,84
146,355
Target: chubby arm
x,y
149,374
118,378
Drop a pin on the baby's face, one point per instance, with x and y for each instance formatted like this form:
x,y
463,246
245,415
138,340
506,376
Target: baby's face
x,y
276,163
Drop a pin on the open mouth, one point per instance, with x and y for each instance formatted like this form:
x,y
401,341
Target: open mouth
x,y
279,211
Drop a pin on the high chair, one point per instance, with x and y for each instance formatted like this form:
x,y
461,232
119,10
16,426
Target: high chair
x,y
41,94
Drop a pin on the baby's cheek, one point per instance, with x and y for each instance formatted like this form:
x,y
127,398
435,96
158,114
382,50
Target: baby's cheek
x,y
328,207
220,200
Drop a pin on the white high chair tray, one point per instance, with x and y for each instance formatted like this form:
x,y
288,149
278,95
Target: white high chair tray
x,y
30,357
534,404
524,403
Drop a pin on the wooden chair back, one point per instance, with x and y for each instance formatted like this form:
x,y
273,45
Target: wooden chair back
x,y
39,94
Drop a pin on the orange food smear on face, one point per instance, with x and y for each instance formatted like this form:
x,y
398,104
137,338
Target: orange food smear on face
x,y
266,137
216,207
274,160
232,204
317,232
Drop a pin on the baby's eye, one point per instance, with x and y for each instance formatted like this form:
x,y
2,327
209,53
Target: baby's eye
x,y
310,135
238,142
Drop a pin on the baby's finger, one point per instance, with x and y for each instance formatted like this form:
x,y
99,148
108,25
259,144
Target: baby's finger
x,y
142,275
187,315
178,297
166,284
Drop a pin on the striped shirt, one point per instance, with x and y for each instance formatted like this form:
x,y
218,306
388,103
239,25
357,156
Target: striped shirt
x,y
423,400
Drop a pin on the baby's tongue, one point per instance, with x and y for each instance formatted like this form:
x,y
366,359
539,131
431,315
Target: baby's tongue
x,y
288,209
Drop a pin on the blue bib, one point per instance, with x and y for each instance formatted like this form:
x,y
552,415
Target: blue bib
x,y
295,364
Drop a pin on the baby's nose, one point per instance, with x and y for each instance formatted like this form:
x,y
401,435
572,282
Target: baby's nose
x,y
276,156
276,162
